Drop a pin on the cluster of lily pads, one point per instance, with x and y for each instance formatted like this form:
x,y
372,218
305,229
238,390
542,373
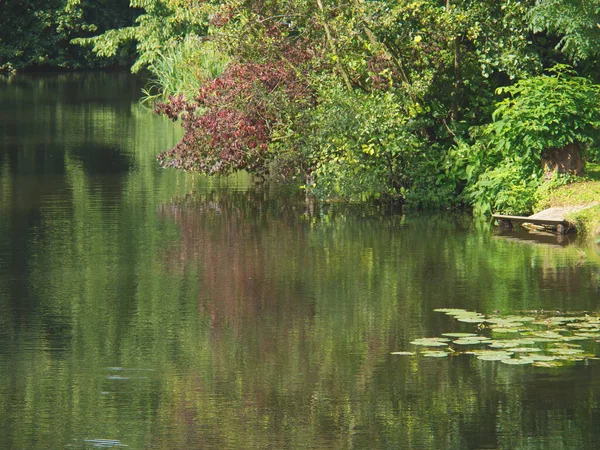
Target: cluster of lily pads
x,y
536,338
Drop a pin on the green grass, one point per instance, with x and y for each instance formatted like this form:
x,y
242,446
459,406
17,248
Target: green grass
x,y
593,171
585,192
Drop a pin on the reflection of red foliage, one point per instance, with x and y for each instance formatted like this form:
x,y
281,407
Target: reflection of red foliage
x,y
239,262
228,125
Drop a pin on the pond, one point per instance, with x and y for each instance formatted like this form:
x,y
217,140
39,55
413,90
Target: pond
x,y
146,308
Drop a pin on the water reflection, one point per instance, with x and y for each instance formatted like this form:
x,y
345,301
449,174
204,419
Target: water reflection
x,y
537,237
152,309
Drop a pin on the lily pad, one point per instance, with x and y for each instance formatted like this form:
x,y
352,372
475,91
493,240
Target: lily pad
x,y
471,341
459,335
543,339
431,342
503,330
526,341
548,364
544,358
451,311
486,351
588,335
403,353
566,351
501,344
470,319
516,338
574,338
439,354
498,357
503,323
520,318
524,349
518,361
547,335
492,355
508,343
566,345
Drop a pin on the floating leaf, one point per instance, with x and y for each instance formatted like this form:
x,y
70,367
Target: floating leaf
x,y
544,358
526,341
472,340
500,344
566,351
486,351
492,355
503,323
403,353
548,364
517,361
588,335
520,318
567,345
459,335
524,349
498,357
547,334
496,330
451,311
544,339
431,342
520,335
511,343
439,354
470,319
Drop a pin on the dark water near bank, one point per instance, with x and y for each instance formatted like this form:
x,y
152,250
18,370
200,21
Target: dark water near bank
x,y
146,308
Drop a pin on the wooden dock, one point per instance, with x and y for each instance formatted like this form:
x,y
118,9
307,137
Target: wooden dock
x,y
553,218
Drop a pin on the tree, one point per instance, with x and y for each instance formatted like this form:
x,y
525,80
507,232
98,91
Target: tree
x,y
576,22
38,33
161,24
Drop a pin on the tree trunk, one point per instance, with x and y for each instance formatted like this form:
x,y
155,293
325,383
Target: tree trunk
x,y
563,160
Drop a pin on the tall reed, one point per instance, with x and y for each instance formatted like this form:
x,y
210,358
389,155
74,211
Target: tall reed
x,y
183,68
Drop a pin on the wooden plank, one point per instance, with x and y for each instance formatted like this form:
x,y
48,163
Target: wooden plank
x,y
554,217
531,219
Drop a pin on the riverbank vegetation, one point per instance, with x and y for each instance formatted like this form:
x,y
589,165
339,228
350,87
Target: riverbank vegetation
x,y
429,103
37,34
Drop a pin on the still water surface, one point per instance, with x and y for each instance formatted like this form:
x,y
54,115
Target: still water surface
x,y
144,308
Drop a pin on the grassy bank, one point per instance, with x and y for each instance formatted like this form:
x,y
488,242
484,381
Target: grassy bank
x,y
579,193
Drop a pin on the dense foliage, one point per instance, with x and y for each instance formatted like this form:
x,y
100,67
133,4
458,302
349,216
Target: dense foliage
x,y
535,138
37,33
381,99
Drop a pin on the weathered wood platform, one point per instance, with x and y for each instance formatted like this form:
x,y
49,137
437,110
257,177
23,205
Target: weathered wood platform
x,y
553,218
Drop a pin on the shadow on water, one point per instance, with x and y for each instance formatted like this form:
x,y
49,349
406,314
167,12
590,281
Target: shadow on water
x,y
536,237
103,159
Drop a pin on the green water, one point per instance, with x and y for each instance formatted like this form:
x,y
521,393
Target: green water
x,y
147,308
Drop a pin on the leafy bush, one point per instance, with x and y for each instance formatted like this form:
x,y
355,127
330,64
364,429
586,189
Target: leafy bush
x,y
362,145
502,169
546,112
229,124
